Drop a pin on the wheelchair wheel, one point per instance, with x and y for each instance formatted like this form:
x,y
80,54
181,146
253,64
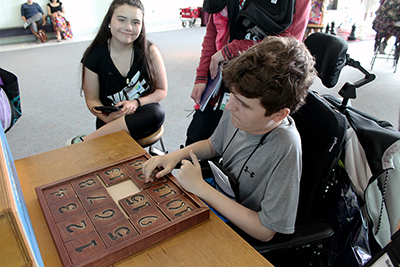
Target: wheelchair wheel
x,y
183,23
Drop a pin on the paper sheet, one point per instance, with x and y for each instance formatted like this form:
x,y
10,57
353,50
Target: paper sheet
x,y
222,180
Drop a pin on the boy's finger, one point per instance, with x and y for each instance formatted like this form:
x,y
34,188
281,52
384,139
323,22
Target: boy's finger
x,y
194,159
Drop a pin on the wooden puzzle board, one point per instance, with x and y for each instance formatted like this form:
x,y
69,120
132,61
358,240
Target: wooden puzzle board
x,y
102,216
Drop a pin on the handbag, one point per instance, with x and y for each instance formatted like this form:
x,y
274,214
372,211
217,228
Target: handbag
x,y
10,88
42,36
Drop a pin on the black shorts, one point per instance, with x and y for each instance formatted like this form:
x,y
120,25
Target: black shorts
x,y
145,121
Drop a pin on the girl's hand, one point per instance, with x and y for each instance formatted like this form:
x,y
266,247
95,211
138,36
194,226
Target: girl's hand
x,y
129,107
113,116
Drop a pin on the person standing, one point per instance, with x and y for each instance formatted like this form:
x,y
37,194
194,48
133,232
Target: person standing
x,y
224,40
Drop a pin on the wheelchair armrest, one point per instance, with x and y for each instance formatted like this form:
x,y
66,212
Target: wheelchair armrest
x,y
304,234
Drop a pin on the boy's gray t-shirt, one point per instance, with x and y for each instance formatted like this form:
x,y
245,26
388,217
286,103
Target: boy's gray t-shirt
x,y
270,180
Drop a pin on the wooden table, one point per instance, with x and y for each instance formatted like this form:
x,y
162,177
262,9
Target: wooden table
x,y
211,243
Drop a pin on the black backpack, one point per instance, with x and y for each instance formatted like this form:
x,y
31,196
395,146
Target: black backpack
x,y
261,18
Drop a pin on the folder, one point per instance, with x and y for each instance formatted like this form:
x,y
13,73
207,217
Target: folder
x,y
211,90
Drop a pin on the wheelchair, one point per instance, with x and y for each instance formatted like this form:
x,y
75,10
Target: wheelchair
x,y
328,127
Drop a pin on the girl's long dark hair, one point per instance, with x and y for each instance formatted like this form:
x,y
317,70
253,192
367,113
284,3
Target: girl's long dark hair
x,y
146,65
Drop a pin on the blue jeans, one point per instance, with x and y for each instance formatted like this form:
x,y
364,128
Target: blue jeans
x,y
35,18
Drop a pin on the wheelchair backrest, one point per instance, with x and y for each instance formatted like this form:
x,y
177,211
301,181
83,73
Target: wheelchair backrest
x,y
322,130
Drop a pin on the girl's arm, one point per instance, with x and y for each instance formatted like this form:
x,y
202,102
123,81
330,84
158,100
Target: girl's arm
x,y
62,12
91,89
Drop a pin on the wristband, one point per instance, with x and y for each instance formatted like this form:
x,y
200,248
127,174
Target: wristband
x,y
137,99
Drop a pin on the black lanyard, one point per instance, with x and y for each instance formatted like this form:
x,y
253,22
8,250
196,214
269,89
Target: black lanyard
x,y
262,139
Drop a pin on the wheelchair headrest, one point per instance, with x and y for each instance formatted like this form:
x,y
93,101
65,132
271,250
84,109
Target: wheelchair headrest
x,y
330,53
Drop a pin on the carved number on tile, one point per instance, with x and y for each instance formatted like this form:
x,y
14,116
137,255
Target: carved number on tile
x,y
157,190
59,192
90,199
170,192
68,207
137,164
119,232
179,214
147,204
92,243
86,183
175,204
69,230
135,199
148,220
141,177
107,214
114,171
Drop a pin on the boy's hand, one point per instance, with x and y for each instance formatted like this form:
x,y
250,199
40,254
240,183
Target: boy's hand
x,y
167,162
189,176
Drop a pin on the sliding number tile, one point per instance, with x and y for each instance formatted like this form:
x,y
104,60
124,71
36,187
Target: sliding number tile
x,y
85,247
113,175
58,193
137,203
177,208
86,184
66,209
105,215
95,199
163,192
135,166
117,232
74,227
147,220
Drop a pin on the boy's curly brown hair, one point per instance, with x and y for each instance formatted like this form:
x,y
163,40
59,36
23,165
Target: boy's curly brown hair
x,y
279,71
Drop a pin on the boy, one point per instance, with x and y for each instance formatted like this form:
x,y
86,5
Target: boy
x,y
256,138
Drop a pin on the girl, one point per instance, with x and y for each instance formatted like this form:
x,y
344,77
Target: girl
x,y
61,26
122,68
